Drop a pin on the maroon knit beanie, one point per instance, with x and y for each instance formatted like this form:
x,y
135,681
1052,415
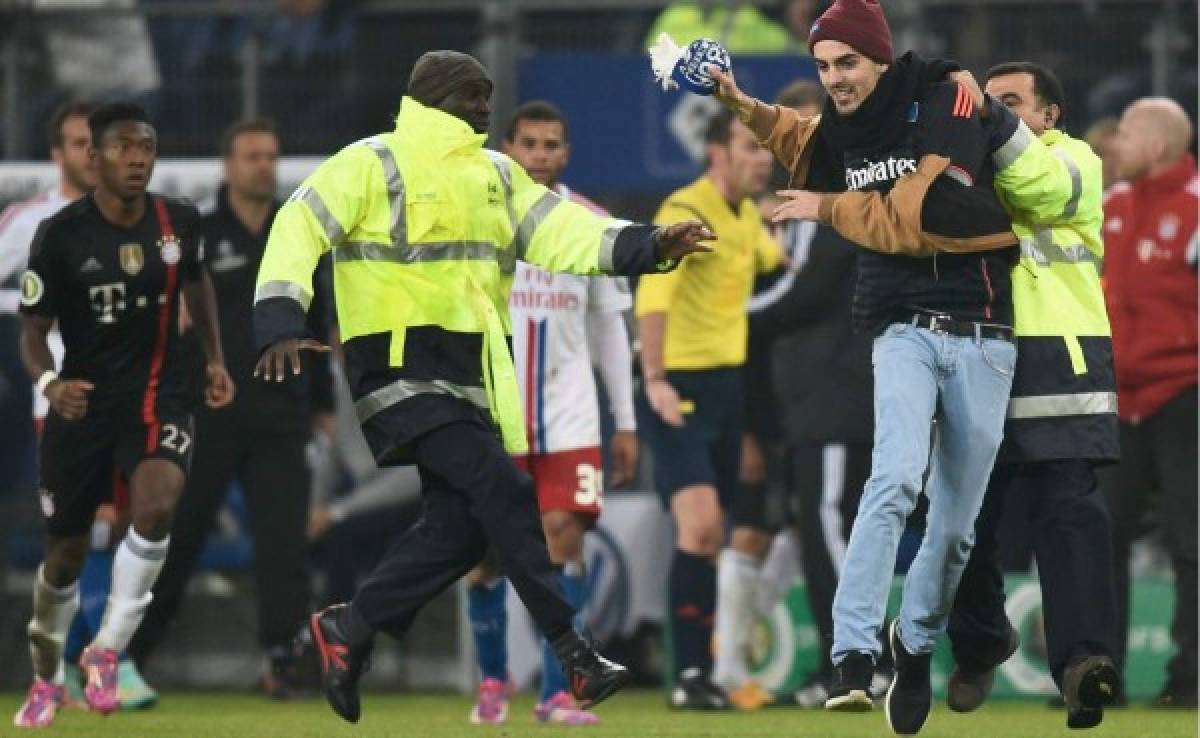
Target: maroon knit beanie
x,y
856,23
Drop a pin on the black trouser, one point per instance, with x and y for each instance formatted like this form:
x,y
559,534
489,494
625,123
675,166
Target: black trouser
x,y
1159,455
829,480
473,495
1072,544
352,548
274,474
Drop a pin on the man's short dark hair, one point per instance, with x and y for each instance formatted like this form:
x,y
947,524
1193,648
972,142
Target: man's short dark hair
x,y
74,109
118,112
249,125
541,112
720,128
1046,86
801,93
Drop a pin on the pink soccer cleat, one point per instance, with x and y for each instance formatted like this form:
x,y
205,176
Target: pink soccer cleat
x,y
40,706
99,666
492,706
562,710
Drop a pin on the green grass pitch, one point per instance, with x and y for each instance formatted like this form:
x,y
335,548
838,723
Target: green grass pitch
x,y
635,714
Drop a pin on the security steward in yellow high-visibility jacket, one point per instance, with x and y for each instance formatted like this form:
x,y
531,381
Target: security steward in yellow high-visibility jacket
x,y
1062,419
425,226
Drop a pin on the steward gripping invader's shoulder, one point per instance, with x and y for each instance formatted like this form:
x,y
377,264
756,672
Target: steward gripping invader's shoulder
x,y
947,99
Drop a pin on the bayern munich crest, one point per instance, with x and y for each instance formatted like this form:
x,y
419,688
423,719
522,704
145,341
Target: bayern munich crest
x,y
170,250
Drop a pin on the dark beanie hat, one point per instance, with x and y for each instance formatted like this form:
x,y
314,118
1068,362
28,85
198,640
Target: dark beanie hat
x,y
438,73
856,23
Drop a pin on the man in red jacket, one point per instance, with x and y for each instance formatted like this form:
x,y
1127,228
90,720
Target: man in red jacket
x,y
1151,242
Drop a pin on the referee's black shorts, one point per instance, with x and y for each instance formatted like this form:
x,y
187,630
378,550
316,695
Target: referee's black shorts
x,y
708,448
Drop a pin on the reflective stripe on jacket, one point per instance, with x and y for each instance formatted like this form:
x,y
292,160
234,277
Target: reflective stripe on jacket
x,y
426,227
1064,399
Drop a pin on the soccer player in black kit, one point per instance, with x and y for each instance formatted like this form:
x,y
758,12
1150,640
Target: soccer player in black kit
x,y
111,268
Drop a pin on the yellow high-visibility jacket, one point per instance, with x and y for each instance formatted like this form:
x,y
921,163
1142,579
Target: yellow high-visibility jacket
x,y
426,226
1064,399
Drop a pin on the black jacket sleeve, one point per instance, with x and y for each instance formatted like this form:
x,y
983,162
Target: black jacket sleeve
x,y
634,252
320,325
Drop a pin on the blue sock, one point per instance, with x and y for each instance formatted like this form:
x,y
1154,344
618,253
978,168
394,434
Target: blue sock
x,y
489,623
94,582
574,585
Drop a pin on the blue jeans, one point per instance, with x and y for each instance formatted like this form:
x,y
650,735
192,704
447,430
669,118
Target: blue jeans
x,y
920,375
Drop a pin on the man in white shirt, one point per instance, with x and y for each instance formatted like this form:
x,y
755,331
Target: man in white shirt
x,y
562,325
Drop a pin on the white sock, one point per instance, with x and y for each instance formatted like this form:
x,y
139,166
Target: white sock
x,y
53,611
135,567
778,572
737,578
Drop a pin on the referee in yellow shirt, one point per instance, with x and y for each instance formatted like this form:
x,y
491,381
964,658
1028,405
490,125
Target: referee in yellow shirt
x,y
693,331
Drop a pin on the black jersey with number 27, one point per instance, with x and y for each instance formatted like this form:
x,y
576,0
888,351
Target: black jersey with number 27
x,y
115,293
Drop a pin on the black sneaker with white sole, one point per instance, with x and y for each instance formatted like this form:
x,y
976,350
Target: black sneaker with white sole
x,y
850,690
910,697
1089,685
695,691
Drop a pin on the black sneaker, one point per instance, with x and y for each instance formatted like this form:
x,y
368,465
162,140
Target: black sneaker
x,y
1089,685
695,691
910,697
341,664
851,687
592,677
969,687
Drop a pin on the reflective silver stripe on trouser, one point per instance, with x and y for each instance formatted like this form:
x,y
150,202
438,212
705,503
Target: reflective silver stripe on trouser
x,y
507,257
395,188
369,405
1004,156
1042,249
608,242
403,253
538,213
268,290
1072,205
331,226
1058,406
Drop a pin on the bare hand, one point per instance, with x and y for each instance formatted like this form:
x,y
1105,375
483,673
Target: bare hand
x,y
325,424
754,465
220,390
799,205
967,80
664,400
320,520
69,397
680,239
185,318
727,92
624,458
273,362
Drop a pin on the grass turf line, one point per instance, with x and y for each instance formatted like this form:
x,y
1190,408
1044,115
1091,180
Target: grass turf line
x,y
637,714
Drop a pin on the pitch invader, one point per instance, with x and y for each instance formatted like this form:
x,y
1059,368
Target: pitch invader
x,y
110,268
562,324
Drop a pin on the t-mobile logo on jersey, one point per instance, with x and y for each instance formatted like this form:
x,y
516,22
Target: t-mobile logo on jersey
x,y
107,300
878,172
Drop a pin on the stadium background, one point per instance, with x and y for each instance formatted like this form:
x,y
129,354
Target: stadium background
x,y
332,72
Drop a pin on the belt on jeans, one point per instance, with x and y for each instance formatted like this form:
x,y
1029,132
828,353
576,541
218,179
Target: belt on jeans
x,y
942,323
